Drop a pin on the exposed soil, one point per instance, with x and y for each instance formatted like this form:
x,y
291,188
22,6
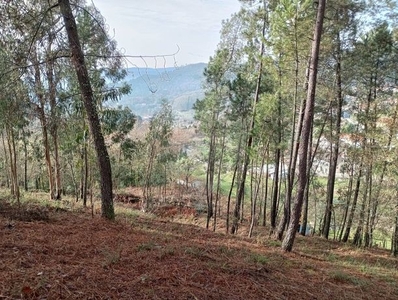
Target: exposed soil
x,y
73,255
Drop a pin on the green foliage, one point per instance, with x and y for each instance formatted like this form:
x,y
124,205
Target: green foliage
x,y
118,121
258,258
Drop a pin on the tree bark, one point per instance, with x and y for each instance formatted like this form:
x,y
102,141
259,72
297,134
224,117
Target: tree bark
x,y
394,242
104,164
43,121
54,126
353,206
249,143
288,241
335,146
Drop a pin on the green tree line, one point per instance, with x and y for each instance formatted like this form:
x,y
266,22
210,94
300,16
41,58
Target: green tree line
x,y
300,111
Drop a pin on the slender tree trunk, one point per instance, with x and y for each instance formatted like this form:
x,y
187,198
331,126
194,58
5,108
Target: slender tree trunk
x,y
255,195
335,145
13,163
353,206
286,207
288,241
295,136
12,181
366,237
294,152
104,163
265,197
347,205
85,173
216,204
210,172
25,165
394,242
249,144
358,236
230,195
6,161
73,176
304,223
53,126
47,155
147,199
275,194
15,172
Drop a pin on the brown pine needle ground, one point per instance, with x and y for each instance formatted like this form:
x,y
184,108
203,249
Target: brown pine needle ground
x,y
62,254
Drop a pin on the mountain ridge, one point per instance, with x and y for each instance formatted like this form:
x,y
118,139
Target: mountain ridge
x,y
181,86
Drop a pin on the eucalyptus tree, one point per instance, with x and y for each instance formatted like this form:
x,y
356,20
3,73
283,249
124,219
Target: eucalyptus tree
x,y
43,30
117,123
12,123
157,142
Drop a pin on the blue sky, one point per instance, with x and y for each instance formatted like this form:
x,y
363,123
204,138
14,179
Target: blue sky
x,y
155,27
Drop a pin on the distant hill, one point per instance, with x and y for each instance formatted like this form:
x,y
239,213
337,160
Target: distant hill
x,y
181,86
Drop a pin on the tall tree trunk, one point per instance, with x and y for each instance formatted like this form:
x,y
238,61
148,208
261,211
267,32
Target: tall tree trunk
x,y
256,192
295,136
394,242
104,163
353,206
13,163
335,145
288,241
6,161
303,228
230,195
211,161
46,145
275,193
265,196
40,108
347,204
294,151
216,204
85,173
53,126
147,199
25,165
358,236
249,144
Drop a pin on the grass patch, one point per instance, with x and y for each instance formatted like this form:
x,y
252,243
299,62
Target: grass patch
x,y
342,277
195,252
111,256
257,258
166,252
147,246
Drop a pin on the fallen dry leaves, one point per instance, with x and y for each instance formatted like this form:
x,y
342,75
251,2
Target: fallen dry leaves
x,y
71,255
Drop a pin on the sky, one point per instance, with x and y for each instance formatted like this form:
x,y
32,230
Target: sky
x,y
161,27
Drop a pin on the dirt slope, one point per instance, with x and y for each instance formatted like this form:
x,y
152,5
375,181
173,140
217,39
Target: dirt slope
x,y
70,255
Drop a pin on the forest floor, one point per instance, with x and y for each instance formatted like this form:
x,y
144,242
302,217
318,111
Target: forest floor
x,y
67,252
